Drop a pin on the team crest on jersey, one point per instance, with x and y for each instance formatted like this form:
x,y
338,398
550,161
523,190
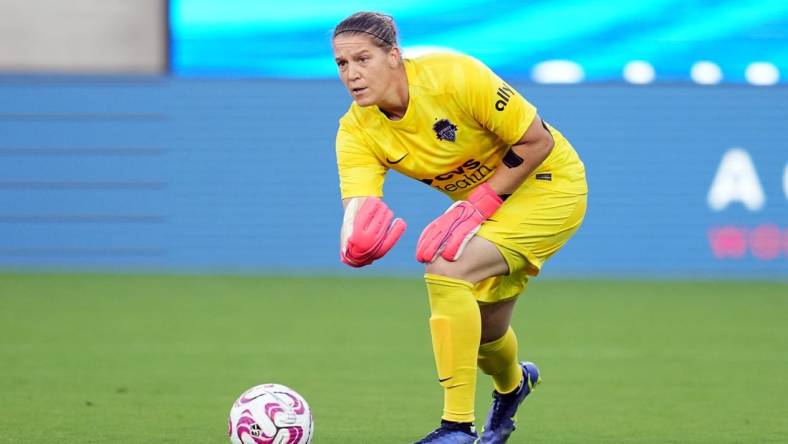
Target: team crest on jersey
x,y
445,130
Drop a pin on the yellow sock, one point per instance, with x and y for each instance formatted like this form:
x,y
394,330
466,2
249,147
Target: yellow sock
x,y
456,328
499,360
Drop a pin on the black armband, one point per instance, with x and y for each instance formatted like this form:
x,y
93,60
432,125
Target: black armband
x,y
511,159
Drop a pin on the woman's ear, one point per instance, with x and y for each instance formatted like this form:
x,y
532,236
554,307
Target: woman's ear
x,y
394,57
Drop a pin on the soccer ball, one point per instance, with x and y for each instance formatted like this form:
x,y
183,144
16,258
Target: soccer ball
x,y
270,414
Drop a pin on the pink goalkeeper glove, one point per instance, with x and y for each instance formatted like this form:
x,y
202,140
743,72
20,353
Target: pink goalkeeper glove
x,y
369,230
449,233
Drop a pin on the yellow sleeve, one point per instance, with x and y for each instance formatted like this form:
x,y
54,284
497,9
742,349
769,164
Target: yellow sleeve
x,y
360,171
493,102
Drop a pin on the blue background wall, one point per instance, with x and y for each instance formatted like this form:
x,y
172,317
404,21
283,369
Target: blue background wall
x,y
239,175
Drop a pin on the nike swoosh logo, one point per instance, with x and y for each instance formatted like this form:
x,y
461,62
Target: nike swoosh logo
x,y
444,379
396,161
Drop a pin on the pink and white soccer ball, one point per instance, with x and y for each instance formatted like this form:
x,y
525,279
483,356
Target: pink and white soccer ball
x,y
270,414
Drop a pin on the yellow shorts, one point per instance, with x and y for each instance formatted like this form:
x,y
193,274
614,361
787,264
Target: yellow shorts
x,y
531,226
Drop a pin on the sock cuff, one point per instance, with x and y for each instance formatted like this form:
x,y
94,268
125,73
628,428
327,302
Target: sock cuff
x,y
494,346
436,279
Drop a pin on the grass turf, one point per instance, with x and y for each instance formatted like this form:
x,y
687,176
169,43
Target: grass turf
x,y
159,359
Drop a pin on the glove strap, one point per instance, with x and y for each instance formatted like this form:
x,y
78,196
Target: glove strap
x,y
485,200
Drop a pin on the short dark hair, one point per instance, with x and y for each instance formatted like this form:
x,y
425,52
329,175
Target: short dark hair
x,y
379,26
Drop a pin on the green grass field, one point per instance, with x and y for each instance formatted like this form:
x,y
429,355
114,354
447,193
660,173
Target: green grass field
x,y
152,359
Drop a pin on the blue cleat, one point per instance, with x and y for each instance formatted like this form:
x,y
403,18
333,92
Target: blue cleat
x,y
500,419
450,433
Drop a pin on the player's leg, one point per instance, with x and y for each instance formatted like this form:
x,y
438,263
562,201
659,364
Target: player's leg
x,y
455,326
527,234
513,380
498,350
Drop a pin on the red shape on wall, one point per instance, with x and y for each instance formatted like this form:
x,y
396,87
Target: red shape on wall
x,y
766,242
728,242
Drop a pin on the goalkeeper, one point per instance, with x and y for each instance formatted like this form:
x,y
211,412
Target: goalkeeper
x,y
519,194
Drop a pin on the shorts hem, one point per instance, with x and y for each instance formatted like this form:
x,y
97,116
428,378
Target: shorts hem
x,y
532,266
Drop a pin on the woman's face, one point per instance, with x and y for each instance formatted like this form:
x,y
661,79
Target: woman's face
x,y
365,69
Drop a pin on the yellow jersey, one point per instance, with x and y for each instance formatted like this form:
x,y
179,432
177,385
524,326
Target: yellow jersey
x,y
460,121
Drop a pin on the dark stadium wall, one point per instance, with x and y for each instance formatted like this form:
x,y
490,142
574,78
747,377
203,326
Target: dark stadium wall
x,y
226,176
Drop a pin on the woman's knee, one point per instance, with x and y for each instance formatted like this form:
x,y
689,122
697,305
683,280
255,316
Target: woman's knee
x,y
442,267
